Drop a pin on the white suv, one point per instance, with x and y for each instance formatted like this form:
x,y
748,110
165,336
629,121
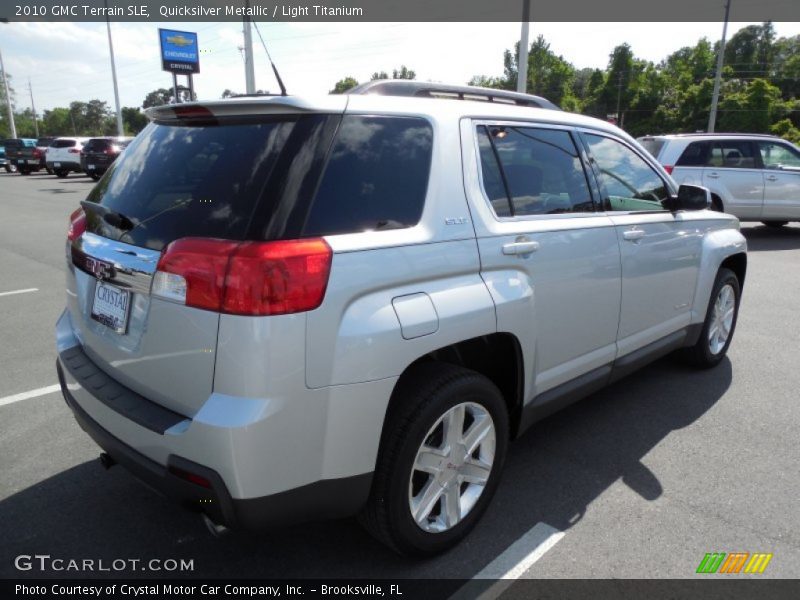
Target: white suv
x,y
284,308
64,155
755,177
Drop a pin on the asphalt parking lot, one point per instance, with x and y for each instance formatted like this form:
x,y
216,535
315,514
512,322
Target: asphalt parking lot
x,y
643,478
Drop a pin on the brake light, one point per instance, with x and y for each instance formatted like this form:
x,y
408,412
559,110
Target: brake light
x,y
37,153
77,225
668,168
74,151
192,112
245,278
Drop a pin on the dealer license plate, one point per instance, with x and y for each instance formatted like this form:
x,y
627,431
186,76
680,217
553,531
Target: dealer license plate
x,y
111,306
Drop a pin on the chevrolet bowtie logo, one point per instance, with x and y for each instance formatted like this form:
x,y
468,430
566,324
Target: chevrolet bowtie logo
x,y
179,40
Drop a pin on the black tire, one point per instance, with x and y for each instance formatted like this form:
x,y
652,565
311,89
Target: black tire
x,y
423,396
94,176
701,354
23,171
49,170
61,173
775,224
11,168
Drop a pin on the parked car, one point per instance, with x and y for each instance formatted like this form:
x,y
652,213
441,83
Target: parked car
x,y
755,177
64,155
32,158
284,308
4,163
14,148
98,154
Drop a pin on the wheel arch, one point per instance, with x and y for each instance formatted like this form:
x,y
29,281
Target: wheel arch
x,y
497,356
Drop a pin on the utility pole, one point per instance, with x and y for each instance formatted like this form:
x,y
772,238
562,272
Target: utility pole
x,y
522,63
8,99
120,128
249,67
712,117
33,108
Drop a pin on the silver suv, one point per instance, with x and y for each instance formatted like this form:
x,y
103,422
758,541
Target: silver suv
x,y
755,177
281,308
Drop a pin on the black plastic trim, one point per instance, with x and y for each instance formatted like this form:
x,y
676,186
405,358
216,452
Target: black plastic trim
x,y
325,499
117,397
576,389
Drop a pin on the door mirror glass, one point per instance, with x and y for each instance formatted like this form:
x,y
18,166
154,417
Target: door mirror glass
x,y
690,197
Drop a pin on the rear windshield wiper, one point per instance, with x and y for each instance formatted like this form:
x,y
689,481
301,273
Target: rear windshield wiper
x,y
112,217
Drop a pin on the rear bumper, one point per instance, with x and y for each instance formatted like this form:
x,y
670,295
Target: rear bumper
x,y
325,499
64,164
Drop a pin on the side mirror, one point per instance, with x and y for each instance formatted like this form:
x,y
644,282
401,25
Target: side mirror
x,y
690,197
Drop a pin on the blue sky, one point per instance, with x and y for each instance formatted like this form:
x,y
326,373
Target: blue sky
x,y
69,61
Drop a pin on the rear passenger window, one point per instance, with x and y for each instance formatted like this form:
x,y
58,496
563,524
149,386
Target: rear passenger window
x,y
733,154
376,177
532,171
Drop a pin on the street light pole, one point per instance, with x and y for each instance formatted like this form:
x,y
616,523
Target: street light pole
x,y
33,108
120,128
712,117
249,67
522,63
8,99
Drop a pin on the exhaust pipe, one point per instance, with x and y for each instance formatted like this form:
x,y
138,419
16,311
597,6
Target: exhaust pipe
x,y
214,529
106,461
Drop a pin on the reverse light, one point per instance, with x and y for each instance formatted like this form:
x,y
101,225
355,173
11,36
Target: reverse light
x,y
245,278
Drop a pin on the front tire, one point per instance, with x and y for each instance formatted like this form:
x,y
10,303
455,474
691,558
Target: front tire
x,y
441,455
720,323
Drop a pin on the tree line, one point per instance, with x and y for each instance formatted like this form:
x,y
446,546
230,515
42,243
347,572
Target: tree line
x,y
759,93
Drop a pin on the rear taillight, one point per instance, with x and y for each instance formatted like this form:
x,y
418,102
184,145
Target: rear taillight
x,y
668,168
245,278
77,225
37,153
74,151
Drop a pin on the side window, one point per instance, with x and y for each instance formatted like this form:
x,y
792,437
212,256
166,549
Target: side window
x,y
776,156
376,177
696,154
532,171
732,154
630,183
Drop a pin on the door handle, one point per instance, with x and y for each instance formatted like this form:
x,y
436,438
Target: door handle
x,y
522,246
713,175
772,178
634,235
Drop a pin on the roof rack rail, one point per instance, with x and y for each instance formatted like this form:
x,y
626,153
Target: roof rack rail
x,y
725,133
422,89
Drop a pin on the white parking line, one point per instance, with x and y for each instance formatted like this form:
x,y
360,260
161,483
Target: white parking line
x,y
19,292
511,564
32,394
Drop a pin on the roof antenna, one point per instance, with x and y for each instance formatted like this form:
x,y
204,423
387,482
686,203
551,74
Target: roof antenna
x,y
274,69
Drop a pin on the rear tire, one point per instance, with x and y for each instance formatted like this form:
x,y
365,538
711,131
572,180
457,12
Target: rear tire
x,y
49,170
61,173
442,450
23,171
11,168
775,224
720,323
94,176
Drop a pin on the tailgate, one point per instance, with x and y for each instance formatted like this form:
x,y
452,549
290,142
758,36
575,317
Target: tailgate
x,y
159,349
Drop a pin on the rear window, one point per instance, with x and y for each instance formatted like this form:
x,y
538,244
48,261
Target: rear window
x,y
184,180
63,144
376,177
96,145
652,145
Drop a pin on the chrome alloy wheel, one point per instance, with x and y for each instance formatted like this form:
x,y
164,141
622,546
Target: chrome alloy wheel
x,y
452,467
721,319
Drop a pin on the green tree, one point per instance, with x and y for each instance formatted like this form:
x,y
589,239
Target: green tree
x,y
376,75
56,122
133,119
158,98
752,109
402,73
343,85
